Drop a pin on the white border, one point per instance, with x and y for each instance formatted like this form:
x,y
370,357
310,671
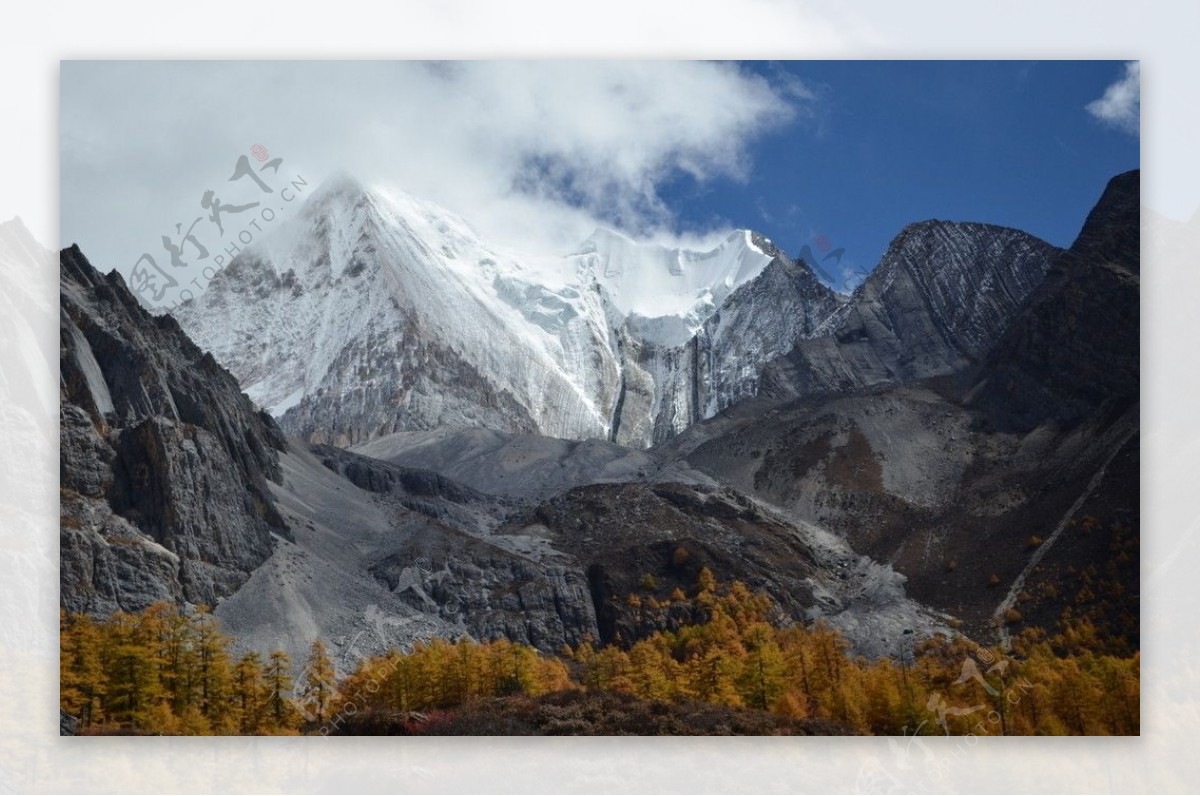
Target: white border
x,y
36,36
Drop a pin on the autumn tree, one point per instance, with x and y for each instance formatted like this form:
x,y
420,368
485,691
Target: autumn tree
x,y
247,693
213,673
167,671
319,680
277,689
763,675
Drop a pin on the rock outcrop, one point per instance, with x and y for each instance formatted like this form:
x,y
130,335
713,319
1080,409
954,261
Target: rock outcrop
x,y
164,463
938,302
997,479
385,555
1077,348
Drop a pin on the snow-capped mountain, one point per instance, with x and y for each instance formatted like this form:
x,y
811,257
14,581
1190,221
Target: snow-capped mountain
x,y
372,312
175,488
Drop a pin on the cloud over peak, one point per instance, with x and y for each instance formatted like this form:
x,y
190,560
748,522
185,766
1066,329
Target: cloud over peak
x,y
535,153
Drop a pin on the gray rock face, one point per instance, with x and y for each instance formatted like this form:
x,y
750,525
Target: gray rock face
x,y
957,481
1077,348
433,384
488,592
760,322
523,465
456,571
938,302
164,463
666,389
388,556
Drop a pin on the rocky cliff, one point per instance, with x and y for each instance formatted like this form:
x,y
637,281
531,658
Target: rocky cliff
x,y
1005,484
164,464
666,387
1077,348
938,301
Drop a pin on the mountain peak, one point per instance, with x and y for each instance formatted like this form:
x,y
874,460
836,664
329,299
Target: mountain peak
x,y
941,225
18,246
340,183
13,226
933,244
599,236
349,318
340,191
1116,213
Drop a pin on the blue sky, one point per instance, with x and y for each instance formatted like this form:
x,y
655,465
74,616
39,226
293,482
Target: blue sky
x,y
883,144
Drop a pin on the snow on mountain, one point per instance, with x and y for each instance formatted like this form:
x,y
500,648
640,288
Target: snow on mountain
x,y
372,312
667,293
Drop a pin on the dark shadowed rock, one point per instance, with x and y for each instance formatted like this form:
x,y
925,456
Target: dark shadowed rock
x,y
1077,347
938,302
990,487
164,463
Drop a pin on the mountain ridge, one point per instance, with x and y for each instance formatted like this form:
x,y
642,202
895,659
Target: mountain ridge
x,y
362,275
621,340
972,427
176,488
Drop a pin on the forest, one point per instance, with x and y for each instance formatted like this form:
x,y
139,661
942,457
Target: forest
x,y
166,671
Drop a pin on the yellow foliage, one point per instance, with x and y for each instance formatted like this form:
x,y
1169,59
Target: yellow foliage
x,y
164,672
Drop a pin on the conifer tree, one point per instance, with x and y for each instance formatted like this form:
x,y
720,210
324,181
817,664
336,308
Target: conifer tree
x,y
247,693
763,674
277,689
319,683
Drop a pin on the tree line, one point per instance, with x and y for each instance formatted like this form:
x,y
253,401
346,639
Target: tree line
x,y
167,671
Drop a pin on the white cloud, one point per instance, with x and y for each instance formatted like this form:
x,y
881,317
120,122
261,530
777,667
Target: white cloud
x,y
1121,105
531,153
